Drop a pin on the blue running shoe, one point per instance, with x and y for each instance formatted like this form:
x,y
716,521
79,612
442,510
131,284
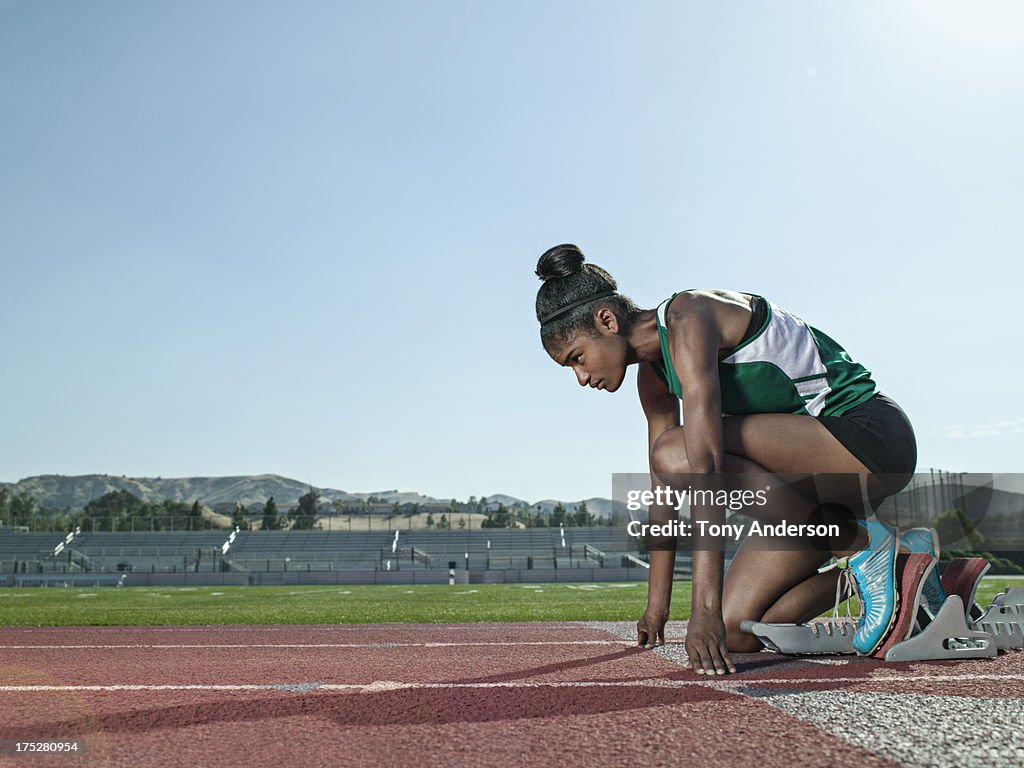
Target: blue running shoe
x,y
927,540
874,572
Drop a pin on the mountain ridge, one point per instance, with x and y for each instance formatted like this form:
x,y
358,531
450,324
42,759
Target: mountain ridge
x,y
75,491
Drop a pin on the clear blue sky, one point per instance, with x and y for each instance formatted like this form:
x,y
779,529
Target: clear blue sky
x,y
299,237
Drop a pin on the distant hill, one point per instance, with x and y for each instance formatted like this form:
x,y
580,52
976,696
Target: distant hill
x,y
912,506
597,506
75,492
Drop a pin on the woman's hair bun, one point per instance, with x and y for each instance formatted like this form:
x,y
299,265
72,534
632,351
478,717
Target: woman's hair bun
x,y
560,261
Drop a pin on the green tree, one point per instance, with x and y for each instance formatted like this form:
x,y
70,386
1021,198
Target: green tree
x,y
238,519
271,520
303,517
183,515
557,515
63,522
499,518
169,514
5,504
22,509
582,516
113,511
953,525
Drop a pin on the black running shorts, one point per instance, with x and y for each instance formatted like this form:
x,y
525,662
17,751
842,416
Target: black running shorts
x,y
879,434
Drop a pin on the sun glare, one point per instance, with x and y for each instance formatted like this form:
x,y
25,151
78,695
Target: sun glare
x,y
990,26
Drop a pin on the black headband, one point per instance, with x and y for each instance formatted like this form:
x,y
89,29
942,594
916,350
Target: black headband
x,y
580,303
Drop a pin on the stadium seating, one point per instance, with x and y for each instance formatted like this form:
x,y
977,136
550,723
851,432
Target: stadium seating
x,y
272,551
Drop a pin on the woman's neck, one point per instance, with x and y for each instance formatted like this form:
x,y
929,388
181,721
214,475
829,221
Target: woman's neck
x,y
644,345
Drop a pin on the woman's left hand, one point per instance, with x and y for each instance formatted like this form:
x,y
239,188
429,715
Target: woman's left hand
x,y
706,651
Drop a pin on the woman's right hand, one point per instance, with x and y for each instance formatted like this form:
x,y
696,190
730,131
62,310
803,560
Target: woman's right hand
x,y
650,630
706,650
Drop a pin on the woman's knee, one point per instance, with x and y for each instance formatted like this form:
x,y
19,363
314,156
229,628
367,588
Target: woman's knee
x,y
668,454
736,640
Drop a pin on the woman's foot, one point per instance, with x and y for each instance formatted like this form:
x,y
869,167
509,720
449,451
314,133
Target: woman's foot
x,y
874,572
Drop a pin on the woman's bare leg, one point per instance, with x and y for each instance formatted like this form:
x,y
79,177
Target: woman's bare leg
x,y
774,584
786,444
777,580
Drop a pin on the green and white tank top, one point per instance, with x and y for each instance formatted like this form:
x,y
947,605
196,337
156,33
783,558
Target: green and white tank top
x,y
786,366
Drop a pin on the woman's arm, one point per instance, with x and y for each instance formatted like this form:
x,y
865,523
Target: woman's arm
x,y
695,336
695,322
662,411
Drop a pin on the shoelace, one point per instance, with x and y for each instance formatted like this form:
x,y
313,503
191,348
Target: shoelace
x,y
844,588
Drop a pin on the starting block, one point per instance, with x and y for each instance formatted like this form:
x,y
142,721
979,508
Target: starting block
x,y
911,572
817,637
947,636
960,630
962,577
1009,596
1004,619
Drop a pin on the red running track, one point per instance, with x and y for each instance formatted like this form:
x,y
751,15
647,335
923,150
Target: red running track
x,y
429,695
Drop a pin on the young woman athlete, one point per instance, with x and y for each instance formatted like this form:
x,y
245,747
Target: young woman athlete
x,y
761,392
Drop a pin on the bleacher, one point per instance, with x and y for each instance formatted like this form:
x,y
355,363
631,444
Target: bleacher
x,y
158,543
30,551
523,548
267,552
154,552
310,550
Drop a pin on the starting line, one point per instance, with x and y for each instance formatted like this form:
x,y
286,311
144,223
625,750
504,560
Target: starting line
x,y
395,685
383,644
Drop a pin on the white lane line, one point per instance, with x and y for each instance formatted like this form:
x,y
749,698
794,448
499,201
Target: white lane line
x,y
388,685
382,644
330,628
379,685
376,686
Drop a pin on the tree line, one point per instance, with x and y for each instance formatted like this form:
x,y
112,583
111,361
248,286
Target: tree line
x,y
517,517
113,511
122,510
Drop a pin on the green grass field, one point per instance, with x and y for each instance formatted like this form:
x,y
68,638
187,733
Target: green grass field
x,y
33,606
357,604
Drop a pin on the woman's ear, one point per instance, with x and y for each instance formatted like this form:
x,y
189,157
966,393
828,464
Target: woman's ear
x,y
606,321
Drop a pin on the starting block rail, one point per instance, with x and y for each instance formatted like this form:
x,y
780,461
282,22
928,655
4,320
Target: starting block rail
x,y
1004,619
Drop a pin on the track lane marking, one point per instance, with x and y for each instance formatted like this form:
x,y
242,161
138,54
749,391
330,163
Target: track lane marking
x,y
388,685
545,626
382,644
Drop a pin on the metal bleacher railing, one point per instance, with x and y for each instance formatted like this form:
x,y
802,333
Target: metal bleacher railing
x,y
316,550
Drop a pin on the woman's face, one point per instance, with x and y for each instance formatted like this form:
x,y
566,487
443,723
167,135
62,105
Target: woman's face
x,y
599,361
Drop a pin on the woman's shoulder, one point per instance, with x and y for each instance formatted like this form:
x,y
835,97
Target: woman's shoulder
x,y
704,299
715,313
